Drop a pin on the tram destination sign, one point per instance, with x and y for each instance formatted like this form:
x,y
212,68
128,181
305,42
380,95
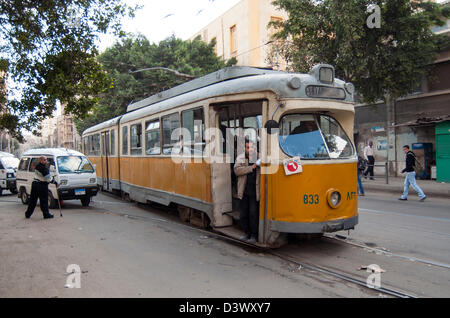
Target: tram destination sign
x,y
325,92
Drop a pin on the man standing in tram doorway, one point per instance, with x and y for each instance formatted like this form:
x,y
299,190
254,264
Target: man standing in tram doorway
x,y
39,189
368,155
248,172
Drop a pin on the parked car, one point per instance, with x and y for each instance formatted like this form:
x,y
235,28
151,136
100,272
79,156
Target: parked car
x,y
8,169
72,170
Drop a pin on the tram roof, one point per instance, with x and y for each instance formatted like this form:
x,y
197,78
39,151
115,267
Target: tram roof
x,y
231,80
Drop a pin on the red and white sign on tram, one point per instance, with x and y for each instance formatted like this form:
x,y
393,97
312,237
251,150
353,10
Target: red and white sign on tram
x,y
292,166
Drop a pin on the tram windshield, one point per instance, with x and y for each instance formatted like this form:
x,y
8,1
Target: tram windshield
x,y
314,137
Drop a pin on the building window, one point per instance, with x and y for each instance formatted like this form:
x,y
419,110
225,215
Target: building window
x,y
136,139
193,121
169,124
125,140
233,40
152,138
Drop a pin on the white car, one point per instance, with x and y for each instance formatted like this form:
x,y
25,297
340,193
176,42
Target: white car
x,y
72,171
8,168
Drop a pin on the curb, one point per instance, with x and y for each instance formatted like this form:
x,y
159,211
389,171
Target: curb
x,y
388,188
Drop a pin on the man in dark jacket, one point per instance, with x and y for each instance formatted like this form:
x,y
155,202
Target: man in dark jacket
x,y
39,189
410,178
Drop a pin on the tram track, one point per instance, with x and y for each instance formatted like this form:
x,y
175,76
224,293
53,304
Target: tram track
x,y
388,253
287,258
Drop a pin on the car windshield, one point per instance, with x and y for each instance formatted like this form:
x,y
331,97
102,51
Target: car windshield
x,y
74,164
314,137
10,162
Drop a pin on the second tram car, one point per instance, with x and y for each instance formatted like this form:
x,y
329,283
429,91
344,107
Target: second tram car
x,y
302,125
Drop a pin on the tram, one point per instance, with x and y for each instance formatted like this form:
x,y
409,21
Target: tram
x,y
302,125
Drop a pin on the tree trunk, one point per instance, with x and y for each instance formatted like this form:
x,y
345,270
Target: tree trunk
x,y
391,150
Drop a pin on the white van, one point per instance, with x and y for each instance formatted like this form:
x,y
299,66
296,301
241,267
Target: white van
x,y
8,168
72,170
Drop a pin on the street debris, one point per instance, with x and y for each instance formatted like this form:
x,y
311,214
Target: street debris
x,y
373,269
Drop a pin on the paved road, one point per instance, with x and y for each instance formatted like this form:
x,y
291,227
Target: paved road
x,y
406,239
125,250
420,229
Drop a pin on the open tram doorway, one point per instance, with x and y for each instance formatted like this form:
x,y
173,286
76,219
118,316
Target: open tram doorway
x,y
237,121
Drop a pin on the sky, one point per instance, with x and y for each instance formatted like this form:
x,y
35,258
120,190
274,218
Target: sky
x,y
159,19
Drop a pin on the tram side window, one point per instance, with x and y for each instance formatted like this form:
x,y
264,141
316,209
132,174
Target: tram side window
x,y
96,144
86,145
125,140
169,124
113,143
193,121
136,139
152,138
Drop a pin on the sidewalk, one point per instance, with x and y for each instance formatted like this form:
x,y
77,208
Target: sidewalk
x,y
432,188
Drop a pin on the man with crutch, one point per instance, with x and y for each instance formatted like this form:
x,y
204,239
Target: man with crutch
x,y
39,189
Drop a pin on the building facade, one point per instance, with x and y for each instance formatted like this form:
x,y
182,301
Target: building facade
x,y
414,121
242,32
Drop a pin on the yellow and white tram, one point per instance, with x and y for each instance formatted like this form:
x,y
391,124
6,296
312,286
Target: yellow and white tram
x,y
309,185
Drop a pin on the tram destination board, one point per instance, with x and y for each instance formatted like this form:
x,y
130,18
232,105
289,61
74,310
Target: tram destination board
x,y
325,92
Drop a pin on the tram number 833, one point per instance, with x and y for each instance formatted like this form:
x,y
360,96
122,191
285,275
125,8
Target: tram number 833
x,y
311,199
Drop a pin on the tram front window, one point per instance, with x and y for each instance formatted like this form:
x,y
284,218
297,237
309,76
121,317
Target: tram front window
x,y
313,137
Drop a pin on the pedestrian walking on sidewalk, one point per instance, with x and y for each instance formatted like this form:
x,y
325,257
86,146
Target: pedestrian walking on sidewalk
x,y
410,179
368,155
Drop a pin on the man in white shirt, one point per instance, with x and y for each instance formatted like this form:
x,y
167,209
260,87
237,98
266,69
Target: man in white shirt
x,y
368,155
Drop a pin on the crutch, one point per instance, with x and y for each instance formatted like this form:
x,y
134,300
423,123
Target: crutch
x,y
59,202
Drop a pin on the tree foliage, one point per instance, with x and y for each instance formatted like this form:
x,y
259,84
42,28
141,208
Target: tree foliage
x,y
135,53
47,48
385,62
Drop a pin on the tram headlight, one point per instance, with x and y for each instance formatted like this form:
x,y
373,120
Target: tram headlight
x,y
326,75
334,198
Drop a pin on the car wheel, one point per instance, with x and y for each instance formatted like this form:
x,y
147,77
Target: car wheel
x,y
85,201
51,201
24,196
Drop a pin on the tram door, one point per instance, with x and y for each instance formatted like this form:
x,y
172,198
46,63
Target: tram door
x,y
106,152
243,116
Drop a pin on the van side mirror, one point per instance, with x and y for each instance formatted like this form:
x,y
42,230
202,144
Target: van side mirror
x,y
95,167
52,168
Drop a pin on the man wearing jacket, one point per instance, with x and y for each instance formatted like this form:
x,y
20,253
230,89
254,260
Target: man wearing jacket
x,y
248,172
410,178
39,189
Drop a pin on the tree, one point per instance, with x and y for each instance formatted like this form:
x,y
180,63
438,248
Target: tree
x,y
48,50
383,63
136,53
384,59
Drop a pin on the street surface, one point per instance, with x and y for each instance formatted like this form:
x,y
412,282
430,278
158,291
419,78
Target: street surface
x,y
129,250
